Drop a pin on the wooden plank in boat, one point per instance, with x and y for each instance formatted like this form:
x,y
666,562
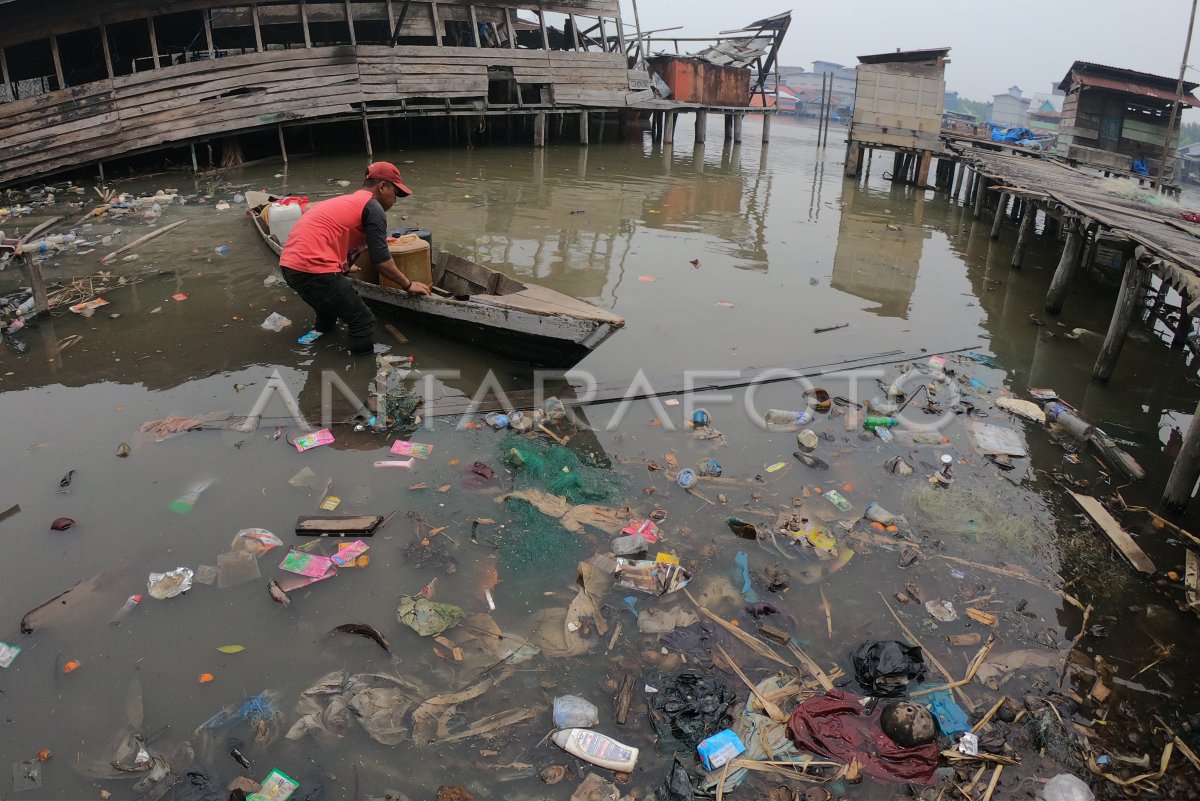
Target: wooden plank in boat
x,y
540,300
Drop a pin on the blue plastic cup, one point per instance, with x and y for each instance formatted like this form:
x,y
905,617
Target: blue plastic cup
x,y
686,478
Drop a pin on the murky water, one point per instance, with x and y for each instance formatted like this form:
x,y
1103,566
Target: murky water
x,y
783,246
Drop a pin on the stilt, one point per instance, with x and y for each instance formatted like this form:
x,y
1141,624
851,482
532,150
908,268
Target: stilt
x,y
1028,212
766,137
37,282
367,137
979,195
100,164
1050,227
1106,362
972,187
1185,324
897,167
195,164
282,146
958,182
1067,263
1001,205
669,127
922,179
728,127
701,126
583,129
737,128
854,158
539,129
1186,470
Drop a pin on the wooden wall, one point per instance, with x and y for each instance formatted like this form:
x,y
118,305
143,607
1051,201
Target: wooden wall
x,y
899,104
209,99
1112,121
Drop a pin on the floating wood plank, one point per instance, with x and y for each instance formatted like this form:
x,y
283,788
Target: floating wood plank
x,y
625,698
1191,581
1109,525
338,525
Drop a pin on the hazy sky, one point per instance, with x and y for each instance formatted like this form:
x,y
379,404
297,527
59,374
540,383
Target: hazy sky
x,y
994,45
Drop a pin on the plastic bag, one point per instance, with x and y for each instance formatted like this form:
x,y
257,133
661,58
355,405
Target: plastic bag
x,y
689,707
885,668
427,617
572,712
1065,787
276,322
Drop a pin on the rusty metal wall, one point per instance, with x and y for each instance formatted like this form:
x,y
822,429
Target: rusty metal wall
x,y
693,80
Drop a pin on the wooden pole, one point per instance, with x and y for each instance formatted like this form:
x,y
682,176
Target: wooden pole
x,y
766,135
37,282
701,125
958,182
153,40
282,146
923,169
737,128
367,136
1001,207
350,24
195,164
1027,214
640,62
1184,327
1166,151
303,24
539,129
108,65
669,127
583,129
58,69
475,25
258,40
1066,268
1106,362
1186,470
972,185
728,127
854,159
980,192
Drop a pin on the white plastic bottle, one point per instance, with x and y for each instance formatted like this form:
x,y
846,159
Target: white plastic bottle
x,y
594,747
783,417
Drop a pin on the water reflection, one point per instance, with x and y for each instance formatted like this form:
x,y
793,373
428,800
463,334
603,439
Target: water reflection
x,y
876,259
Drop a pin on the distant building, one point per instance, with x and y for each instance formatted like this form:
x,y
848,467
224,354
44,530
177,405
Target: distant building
x,y
1113,116
1044,116
806,86
1009,109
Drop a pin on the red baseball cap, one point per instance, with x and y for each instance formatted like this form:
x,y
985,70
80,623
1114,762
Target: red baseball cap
x,y
386,171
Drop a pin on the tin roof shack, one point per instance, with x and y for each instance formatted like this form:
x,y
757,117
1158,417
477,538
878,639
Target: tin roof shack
x,y
898,103
1112,116
694,80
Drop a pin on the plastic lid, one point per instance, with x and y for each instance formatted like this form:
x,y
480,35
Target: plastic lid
x,y
687,478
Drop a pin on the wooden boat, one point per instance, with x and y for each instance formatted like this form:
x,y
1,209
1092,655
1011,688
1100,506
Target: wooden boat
x,y
483,307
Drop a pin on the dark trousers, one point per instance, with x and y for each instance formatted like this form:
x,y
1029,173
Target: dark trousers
x,y
333,297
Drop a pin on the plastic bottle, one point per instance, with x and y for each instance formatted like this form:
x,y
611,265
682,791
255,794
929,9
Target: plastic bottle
x,y
594,747
872,423
783,417
880,515
132,601
1074,425
571,711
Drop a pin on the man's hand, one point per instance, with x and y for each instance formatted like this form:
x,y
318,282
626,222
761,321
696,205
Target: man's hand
x,y
417,288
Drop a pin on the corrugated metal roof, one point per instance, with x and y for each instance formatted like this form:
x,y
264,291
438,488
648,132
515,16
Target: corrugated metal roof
x,y
1132,88
734,52
905,55
1092,69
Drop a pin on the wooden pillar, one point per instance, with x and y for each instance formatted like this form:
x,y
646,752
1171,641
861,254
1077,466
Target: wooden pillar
x,y
1067,263
350,24
958,182
303,24
37,282
437,26
1185,324
1106,362
701,125
108,65
367,137
58,70
1028,212
475,26
258,42
512,29
100,166
923,169
766,136
282,145
737,128
728,127
972,186
195,164
980,192
1050,226
854,158
669,127
1186,470
545,35
583,128
153,40
539,129
1001,206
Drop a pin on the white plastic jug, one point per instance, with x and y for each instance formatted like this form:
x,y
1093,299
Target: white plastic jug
x,y
282,218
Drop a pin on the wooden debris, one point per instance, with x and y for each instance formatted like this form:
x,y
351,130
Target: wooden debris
x,y
773,634
828,613
1120,538
625,698
769,706
140,240
1191,581
986,618
395,332
973,638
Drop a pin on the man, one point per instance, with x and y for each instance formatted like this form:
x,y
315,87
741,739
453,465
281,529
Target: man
x,y
323,245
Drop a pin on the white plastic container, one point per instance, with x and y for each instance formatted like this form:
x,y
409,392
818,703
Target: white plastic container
x,y
594,747
282,218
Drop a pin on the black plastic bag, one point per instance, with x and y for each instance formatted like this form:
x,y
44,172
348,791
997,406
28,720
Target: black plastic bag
x,y
885,668
688,707
678,784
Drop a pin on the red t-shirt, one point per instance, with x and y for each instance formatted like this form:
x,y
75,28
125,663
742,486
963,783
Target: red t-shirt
x,y
326,234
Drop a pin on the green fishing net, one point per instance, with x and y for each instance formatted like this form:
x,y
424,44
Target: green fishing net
x,y
536,539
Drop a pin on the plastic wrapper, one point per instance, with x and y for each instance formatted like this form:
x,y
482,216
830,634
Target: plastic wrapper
x,y
169,584
689,707
885,668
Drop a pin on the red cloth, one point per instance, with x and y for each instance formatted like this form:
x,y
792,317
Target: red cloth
x,y
1190,216
835,725
325,235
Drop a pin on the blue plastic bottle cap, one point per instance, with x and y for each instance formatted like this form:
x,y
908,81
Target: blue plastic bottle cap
x,y
687,478
700,417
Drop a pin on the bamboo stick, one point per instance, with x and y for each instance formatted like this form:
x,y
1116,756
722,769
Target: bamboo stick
x,y
769,706
140,240
932,658
991,788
